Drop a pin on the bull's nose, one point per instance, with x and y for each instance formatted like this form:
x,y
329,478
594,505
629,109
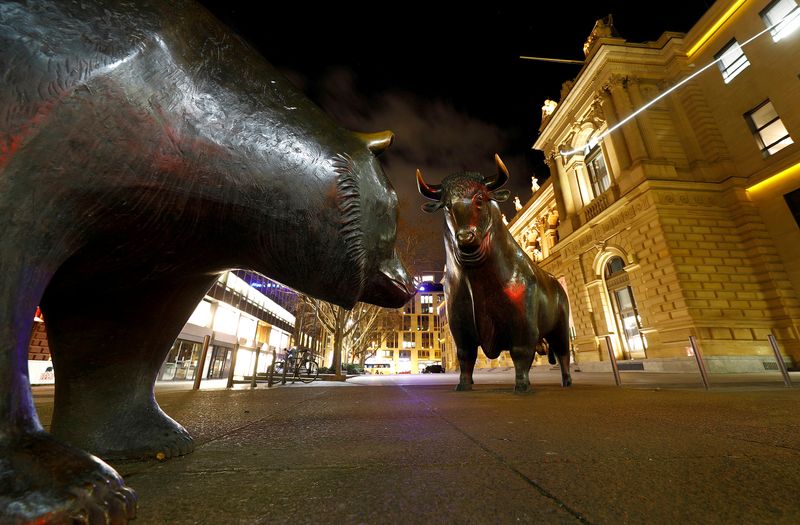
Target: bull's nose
x,y
466,237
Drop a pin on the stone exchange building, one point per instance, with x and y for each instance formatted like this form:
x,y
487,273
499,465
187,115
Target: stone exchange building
x,y
685,219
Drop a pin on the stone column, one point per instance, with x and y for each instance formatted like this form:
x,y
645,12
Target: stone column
x,y
582,183
611,119
630,130
643,119
553,160
685,131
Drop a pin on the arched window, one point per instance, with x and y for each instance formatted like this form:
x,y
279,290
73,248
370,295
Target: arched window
x,y
625,310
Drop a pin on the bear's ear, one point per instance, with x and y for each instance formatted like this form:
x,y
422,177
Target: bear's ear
x,y
377,142
501,195
430,207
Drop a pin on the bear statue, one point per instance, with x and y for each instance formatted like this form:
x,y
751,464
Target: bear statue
x,y
144,149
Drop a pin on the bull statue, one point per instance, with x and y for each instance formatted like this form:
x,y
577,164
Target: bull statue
x,y
496,296
144,149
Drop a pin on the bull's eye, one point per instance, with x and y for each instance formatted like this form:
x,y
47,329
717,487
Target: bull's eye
x,y
479,199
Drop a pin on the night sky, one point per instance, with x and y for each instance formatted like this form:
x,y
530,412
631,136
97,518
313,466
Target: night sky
x,y
445,78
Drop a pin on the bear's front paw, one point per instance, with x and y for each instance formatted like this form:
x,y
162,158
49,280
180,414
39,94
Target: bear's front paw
x,y
45,481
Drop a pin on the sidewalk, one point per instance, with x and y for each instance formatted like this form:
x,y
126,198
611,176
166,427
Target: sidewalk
x,y
408,449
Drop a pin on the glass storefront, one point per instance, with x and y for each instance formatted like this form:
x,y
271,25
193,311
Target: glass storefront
x,y
181,362
219,362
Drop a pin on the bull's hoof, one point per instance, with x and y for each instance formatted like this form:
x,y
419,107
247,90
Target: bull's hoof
x,y
566,381
45,481
461,387
523,388
142,434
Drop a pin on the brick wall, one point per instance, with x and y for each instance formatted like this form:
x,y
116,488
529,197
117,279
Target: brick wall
x,y
39,350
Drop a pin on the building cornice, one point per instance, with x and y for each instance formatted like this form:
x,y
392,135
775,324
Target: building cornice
x,y
648,60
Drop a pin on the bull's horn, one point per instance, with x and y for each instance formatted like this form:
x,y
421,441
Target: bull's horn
x,y
377,142
429,191
500,178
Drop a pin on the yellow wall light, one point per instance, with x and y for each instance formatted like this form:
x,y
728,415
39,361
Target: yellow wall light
x,y
780,177
720,21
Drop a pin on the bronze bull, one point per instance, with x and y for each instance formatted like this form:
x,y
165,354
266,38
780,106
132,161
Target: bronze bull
x,y
497,298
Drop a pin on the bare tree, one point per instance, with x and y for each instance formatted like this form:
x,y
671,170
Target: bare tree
x,y
349,328
368,338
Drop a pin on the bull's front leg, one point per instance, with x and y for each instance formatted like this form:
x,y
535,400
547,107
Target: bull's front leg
x,y
523,359
466,362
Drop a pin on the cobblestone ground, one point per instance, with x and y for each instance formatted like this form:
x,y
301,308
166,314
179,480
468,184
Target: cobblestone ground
x,y
411,450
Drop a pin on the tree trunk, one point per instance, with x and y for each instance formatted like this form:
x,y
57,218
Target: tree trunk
x,y
337,342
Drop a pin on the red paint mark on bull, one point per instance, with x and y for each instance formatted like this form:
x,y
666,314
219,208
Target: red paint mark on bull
x,y
515,292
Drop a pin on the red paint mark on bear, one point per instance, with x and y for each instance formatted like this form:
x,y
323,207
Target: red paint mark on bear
x,y
8,147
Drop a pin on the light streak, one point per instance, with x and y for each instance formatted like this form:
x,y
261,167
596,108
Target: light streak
x,y
595,140
774,179
724,18
556,60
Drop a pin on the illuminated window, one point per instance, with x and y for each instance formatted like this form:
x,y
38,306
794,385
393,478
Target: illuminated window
x,y
732,60
624,305
784,15
387,353
598,173
766,125
793,201
409,341
426,303
427,340
423,354
202,314
423,323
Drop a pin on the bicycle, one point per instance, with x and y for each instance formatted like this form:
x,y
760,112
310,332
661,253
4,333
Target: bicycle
x,y
298,365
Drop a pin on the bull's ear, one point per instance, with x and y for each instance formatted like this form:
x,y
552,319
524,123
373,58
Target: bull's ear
x,y
430,207
501,195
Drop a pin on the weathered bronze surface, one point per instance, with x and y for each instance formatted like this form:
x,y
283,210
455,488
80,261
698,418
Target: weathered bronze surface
x,y
497,298
144,149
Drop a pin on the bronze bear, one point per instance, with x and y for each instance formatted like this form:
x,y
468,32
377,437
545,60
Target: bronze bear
x,y
144,149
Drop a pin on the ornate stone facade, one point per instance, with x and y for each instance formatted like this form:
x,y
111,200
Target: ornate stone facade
x,y
659,228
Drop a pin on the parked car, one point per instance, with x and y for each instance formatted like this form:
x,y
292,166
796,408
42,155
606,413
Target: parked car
x,y
433,369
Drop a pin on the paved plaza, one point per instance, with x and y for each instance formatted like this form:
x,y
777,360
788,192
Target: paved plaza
x,y
409,449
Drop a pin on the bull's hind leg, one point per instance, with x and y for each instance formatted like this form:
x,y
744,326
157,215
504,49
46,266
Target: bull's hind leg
x,y
558,340
467,355
41,479
522,357
108,345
